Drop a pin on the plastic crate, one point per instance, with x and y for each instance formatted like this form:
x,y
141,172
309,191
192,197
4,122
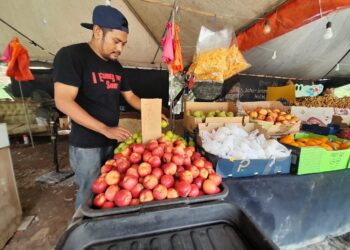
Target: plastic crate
x,y
210,225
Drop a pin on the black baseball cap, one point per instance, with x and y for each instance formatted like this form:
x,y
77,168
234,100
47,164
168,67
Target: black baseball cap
x,y
107,17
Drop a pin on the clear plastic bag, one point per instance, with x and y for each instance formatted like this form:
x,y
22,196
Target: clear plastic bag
x,y
217,56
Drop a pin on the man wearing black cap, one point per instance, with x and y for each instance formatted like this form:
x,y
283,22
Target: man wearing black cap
x,y
88,82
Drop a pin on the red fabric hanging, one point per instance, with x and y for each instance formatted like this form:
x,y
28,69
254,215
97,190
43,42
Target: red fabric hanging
x,y
18,66
288,17
176,64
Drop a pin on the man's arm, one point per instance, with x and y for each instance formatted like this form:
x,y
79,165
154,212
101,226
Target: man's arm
x,y
65,101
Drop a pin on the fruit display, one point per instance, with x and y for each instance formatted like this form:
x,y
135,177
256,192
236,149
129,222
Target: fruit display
x,y
216,113
328,144
161,169
275,116
233,142
323,101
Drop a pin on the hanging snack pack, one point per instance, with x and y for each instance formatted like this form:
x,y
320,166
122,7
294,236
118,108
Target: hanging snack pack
x,y
217,58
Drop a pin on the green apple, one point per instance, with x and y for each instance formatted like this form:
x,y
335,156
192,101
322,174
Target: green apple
x,y
211,114
129,141
164,124
229,114
139,140
191,143
222,114
197,113
169,134
134,136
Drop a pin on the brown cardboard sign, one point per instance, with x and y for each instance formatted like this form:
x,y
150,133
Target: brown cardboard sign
x,y
151,118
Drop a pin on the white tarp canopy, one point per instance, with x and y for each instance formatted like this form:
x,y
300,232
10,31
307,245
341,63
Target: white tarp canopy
x,y
302,53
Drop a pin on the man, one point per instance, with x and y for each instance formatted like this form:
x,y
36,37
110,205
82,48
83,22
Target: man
x,y
88,81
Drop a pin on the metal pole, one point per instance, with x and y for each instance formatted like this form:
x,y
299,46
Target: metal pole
x,y
53,126
26,114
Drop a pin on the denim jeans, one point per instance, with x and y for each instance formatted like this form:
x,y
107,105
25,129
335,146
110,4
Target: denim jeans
x,y
86,164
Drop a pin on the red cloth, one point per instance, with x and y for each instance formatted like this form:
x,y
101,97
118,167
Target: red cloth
x,y
177,65
167,43
18,66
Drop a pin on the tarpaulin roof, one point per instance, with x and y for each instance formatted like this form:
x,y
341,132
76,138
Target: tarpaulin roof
x,y
301,53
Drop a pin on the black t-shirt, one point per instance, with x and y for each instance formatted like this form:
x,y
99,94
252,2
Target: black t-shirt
x,y
99,83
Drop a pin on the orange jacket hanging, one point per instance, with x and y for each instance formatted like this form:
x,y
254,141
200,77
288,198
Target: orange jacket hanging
x,y
177,64
18,66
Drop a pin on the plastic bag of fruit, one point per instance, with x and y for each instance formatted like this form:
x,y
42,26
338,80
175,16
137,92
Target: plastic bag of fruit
x,y
217,56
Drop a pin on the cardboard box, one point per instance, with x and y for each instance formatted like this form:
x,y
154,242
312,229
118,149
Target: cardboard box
x,y
243,168
151,118
320,116
268,128
190,123
309,160
11,211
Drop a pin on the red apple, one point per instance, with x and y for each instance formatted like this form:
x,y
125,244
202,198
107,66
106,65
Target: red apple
x,y
167,180
199,163
201,193
179,170
108,204
216,178
99,185
186,176
135,202
183,188
187,161
162,140
99,200
126,152
169,168
146,155
111,191
155,161
194,171
203,172
157,172
106,168
178,160
150,181
179,151
168,149
209,187
208,165
122,165
129,182
194,191
123,198
135,157
198,181
135,191
152,144
146,196
144,169
160,192
192,148
138,148
113,177
188,152
172,193
132,171
211,170
158,151
110,162
167,157
196,156
119,156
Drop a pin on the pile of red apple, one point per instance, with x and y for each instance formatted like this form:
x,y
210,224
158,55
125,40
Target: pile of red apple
x,y
274,116
156,171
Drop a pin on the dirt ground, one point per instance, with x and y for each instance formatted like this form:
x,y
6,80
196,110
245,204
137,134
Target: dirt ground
x,y
52,205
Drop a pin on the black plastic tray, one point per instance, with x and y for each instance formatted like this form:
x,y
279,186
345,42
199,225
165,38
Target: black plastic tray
x,y
331,129
210,225
89,211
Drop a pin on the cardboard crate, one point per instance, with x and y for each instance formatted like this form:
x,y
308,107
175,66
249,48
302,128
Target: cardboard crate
x,y
243,168
268,128
190,123
308,160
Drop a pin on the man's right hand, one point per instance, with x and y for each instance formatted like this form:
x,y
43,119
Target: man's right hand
x,y
117,133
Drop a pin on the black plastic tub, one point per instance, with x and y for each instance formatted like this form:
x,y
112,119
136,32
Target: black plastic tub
x,y
210,225
89,211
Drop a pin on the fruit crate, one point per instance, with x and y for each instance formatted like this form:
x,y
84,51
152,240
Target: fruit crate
x,y
89,211
210,225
